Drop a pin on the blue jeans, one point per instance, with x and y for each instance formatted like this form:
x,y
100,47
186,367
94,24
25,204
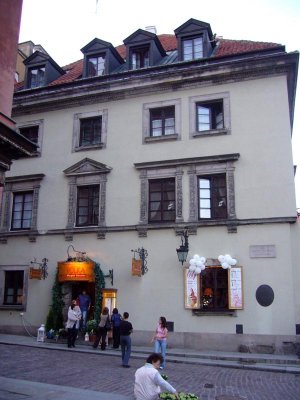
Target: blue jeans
x,y
160,346
125,342
84,318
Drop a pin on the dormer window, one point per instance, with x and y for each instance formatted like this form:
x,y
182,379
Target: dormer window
x,y
41,70
143,49
192,48
100,58
140,58
36,77
96,65
194,40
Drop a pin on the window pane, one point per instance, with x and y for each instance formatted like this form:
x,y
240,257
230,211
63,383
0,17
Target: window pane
x,y
16,224
87,205
193,48
22,210
140,58
213,197
13,291
204,183
162,199
90,131
204,193
187,50
154,206
31,133
162,121
26,224
204,203
155,196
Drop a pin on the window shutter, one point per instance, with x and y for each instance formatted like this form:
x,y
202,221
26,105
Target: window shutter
x,y
235,288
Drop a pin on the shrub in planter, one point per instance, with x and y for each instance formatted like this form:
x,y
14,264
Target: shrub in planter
x,y
91,326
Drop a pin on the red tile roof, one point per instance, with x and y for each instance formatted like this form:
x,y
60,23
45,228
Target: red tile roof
x,y
230,47
73,71
225,47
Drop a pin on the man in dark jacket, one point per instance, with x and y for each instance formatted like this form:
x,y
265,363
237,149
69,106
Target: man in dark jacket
x,y
125,339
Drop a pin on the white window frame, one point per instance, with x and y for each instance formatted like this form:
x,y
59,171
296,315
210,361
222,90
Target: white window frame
x,y
194,100
147,138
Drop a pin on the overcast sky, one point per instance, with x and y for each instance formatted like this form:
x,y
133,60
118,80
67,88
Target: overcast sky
x,y
63,27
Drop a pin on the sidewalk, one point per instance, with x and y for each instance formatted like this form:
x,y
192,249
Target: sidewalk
x,y
251,361
12,389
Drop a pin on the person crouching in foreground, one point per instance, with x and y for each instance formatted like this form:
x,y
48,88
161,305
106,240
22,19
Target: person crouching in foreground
x,y
148,381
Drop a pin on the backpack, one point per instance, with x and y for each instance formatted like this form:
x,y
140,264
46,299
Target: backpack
x,y
116,320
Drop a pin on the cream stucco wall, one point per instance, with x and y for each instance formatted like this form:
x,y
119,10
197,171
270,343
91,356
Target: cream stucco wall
x,y
160,291
264,188
260,132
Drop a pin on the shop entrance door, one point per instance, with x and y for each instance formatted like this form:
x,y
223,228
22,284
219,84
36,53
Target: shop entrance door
x,y
89,287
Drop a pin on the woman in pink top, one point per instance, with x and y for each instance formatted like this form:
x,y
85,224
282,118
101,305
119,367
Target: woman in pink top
x,y
160,339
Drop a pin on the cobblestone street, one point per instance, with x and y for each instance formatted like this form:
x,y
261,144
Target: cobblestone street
x,y
102,372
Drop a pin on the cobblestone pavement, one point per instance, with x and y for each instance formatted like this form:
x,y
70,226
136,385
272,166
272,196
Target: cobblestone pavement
x,y
101,372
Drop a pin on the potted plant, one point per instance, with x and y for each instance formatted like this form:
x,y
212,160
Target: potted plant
x,y
91,327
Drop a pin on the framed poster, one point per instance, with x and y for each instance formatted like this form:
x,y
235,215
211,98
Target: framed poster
x,y
235,286
191,289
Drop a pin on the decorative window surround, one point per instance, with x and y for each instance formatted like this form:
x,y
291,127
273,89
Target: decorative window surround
x,y
146,121
196,166
210,169
18,307
76,130
86,172
226,115
40,124
20,184
159,173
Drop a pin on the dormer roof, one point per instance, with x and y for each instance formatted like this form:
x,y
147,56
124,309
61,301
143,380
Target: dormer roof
x,y
98,45
193,26
141,36
39,58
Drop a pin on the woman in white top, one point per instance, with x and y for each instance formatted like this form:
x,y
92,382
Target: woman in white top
x,y
72,324
148,381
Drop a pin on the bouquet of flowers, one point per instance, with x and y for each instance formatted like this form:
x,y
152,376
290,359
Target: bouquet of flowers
x,y
182,396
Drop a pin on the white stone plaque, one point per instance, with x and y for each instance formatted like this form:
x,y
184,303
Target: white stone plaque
x,y
262,251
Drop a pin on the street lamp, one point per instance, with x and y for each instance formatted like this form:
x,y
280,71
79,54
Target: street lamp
x,y
183,250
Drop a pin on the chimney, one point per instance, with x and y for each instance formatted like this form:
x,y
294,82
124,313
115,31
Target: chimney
x,y
151,29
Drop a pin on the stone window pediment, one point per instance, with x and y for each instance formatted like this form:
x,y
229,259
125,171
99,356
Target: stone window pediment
x,y
87,166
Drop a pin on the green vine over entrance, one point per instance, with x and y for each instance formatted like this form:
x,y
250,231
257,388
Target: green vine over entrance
x,y
99,285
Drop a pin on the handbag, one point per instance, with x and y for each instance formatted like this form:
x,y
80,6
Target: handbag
x,y
108,324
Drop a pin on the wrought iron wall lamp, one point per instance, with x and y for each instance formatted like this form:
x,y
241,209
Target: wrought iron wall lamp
x,y
183,250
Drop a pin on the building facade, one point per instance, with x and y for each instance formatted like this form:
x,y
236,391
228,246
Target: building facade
x,y
164,140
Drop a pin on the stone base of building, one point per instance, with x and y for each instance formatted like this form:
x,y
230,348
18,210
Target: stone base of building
x,y
243,343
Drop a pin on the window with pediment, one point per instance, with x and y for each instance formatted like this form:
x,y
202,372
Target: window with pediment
x,y
87,194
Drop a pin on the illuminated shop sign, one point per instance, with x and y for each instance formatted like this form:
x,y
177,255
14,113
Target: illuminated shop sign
x,y
76,271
